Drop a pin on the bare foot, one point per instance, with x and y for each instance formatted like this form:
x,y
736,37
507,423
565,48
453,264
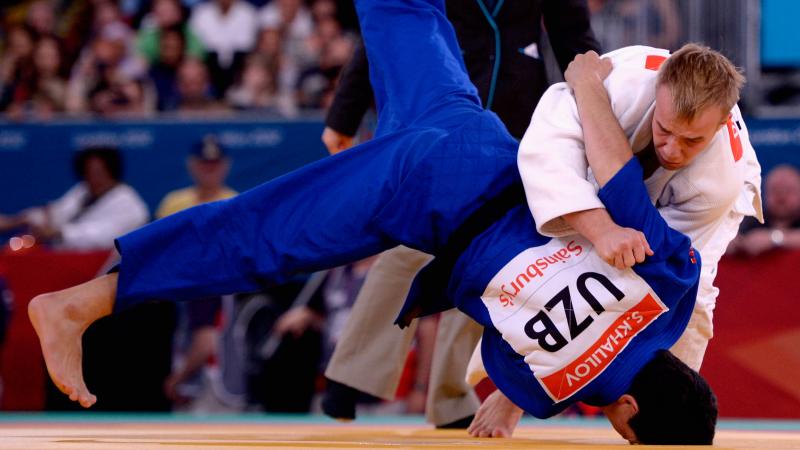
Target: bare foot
x,y
497,417
60,318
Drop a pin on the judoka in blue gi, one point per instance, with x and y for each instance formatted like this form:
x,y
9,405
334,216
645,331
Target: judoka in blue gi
x,y
561,325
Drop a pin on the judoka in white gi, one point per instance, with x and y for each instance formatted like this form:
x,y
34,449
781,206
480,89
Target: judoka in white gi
x,y
708,173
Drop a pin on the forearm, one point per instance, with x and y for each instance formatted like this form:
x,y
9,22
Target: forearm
x,y
426,340
607,147
353,95
791,239
11,222
590,223
552,163
203,347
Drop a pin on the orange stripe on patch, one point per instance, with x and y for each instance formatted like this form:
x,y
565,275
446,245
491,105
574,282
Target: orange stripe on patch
x,y
585,368
736,141
653,62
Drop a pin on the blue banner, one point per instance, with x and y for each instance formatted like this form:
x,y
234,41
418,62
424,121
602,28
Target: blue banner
x,y
36,159
777,141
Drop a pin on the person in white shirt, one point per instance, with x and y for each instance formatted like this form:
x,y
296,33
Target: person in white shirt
x,y
225,27
294,22
91,213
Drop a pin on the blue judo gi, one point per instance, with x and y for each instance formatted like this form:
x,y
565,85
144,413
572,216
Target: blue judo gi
x,y
438,157
560,324
437,178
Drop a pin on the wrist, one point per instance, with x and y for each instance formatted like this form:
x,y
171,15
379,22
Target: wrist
x,y
590,223
589,86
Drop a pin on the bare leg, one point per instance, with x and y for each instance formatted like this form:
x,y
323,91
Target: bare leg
x,y
60,318
497,417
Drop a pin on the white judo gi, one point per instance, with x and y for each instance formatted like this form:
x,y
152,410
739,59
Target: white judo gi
x,y
710,196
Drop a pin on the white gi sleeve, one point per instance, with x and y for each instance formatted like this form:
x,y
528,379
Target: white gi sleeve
x,y
476,372
552,160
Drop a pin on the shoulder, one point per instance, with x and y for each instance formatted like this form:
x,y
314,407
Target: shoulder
x,y
633,67
638,56
244,8
269,15
174,202
203,10
178,194
228,193
78,189
125,190
128,195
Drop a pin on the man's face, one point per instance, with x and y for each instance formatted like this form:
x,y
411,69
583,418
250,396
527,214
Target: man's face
x,y
96,175
208,174
677,142
783,194
192,80
619,414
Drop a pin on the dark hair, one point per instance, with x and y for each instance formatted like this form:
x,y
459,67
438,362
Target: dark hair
x,y
110,156
676,405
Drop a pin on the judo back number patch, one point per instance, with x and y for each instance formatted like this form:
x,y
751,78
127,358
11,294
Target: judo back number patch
x,y
568,313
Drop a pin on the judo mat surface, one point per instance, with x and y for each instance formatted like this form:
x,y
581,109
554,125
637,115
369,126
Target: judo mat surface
x,y
168,432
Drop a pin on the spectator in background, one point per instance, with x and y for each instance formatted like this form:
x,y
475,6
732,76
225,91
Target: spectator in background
x,y
34,84
166,15
16,69
50,85
339,291
194,89
107,79
620,23
317,84
270,46
293,20
163,72
109,24
208,166
321,9
41,18
114,88
781,228
92,213
257,89
227,29
82,23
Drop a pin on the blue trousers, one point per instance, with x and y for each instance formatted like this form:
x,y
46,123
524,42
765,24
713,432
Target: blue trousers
x,y
437,158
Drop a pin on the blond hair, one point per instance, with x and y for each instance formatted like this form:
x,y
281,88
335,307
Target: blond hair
x,y
698,77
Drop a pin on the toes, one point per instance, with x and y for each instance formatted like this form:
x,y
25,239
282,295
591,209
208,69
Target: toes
x,y
86,399
64,389
499,433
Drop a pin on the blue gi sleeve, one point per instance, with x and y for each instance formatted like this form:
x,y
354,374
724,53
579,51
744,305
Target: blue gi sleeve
x,y
626,200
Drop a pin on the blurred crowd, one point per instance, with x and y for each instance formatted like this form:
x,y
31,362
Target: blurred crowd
x,y
137,57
